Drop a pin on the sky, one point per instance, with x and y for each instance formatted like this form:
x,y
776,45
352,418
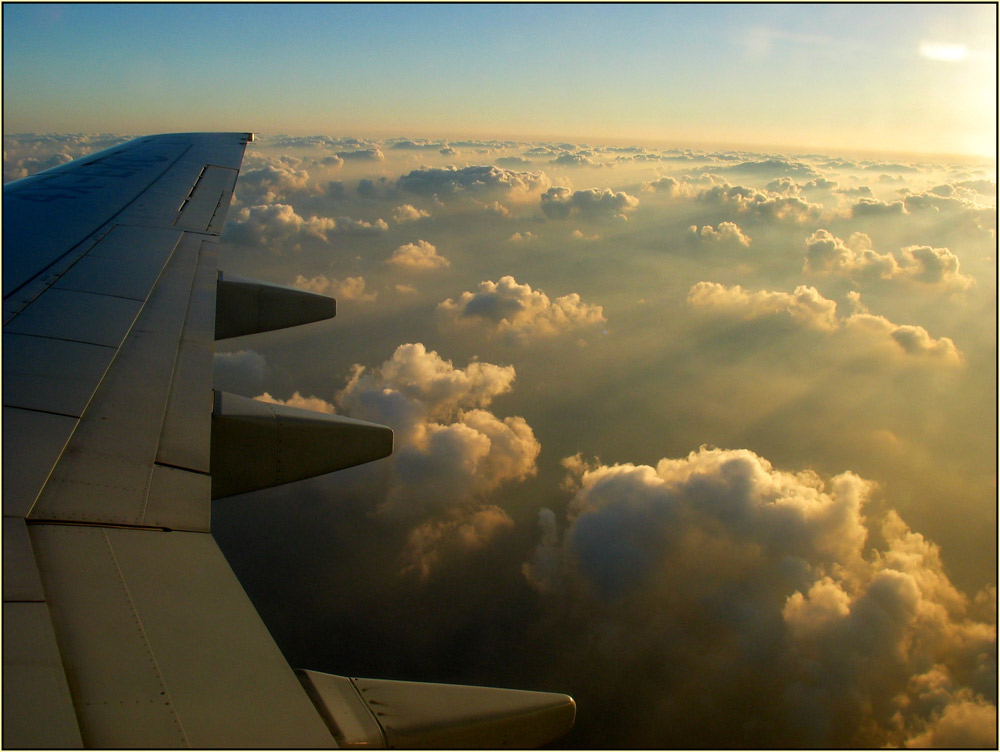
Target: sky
x,y
702,434
902,77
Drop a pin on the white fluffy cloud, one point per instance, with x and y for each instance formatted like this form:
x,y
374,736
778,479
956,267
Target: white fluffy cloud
x,y
451,451
476,180
809,308
419,255
300,401
275,180
278,226
727,233
560,203
727,578
349,288
855,257
767,206
408,213
805,305
520,312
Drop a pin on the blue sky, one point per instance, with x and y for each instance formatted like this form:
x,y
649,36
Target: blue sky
x,y
809,75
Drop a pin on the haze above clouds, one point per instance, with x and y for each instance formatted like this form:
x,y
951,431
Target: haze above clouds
x,y
704,436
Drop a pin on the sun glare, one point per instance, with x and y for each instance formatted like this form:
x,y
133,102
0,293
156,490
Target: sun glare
x,y
948,53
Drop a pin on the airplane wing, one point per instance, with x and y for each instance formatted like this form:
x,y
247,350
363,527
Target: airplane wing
x,y
123,624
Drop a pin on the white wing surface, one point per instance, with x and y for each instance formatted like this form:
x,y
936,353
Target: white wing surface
x,y
123,624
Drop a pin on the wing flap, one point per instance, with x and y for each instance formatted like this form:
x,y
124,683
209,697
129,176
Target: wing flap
x,y
205,208
32,442
37,708
55,375
164,614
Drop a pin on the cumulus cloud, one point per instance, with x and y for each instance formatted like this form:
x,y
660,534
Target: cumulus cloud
x,y
718,576
804,305
513,161
518,311
420,255
762,204
475,180
827,253
914,340
408,213
670,186
727,233
809,308
238,367
774,166
579,159
273,182
450,450
869,207
350,288
300,401
934,266
453,535
560,203
278,226
362,155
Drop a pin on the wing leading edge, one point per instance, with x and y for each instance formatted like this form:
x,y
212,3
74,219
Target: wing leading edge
x,y
123,624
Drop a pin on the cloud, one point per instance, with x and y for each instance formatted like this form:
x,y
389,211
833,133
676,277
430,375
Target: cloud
x,y
408,213
454,535
300,401
774,167
828,254
420,255
561,203
728,583
419,144
914,340
419,382
934,266
362,155
513,162
450,450
727,232
868,207
773,207
575,160
518,311
671,186
238,367
482,179
809,308
273,182
276,226
350,288
805,305
350,226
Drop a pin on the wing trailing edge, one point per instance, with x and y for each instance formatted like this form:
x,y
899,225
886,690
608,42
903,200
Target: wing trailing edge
x,y
384,714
